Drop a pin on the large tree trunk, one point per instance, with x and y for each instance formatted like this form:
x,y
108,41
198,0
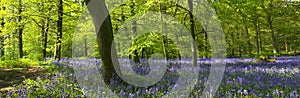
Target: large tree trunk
x,y
20,30
192,30
105,39
58,47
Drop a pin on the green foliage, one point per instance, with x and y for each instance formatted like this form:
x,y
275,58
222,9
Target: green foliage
x,y
256,27
52,69
151,43
21,63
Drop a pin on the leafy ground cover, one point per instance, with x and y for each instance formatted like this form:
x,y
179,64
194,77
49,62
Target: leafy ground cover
x,y
21,63
17,75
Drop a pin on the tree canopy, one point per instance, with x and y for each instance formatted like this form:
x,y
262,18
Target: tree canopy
x,y
39,29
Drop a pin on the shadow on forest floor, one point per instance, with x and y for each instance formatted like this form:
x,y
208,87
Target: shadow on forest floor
x,y
15,76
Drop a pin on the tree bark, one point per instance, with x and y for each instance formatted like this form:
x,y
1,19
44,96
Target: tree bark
x,y
58,47
257,35
105,39
45,38
2,38
164,30
177,40
20,30
248,41
232,44
239,40
85,46
205,43
270,25
192,30
134,30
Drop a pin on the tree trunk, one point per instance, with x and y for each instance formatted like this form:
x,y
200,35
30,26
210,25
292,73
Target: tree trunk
x,y
2,38
165,46
20,30
105,39
274,44
192,30
45,37
270,25
232,44
239,48
257,33
134,30
164,30
85,46
286,47
205,43
124,19
248,41
58,47
177,40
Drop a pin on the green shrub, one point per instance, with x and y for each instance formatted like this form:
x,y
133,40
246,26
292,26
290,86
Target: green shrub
x,y
52,68
21,63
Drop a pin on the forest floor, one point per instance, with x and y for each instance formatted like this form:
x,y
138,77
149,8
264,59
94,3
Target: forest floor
x,y
15,76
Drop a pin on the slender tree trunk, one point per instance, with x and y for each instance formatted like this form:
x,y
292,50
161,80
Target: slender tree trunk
x,y
12,52
178,50
164,30
295,49
45,37
270,25
134,30
85,47
239,48
257,33
205,43
125,28
286,47
165,47
177,40
57,54
2,38
20,30
123,20
248,41
143,54
285,35
192,30
232,44
43,29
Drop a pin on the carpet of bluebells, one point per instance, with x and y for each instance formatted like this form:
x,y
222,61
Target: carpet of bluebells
x,y
242,78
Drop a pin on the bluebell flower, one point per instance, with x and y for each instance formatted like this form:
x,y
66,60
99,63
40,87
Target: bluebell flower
x,y
56,63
